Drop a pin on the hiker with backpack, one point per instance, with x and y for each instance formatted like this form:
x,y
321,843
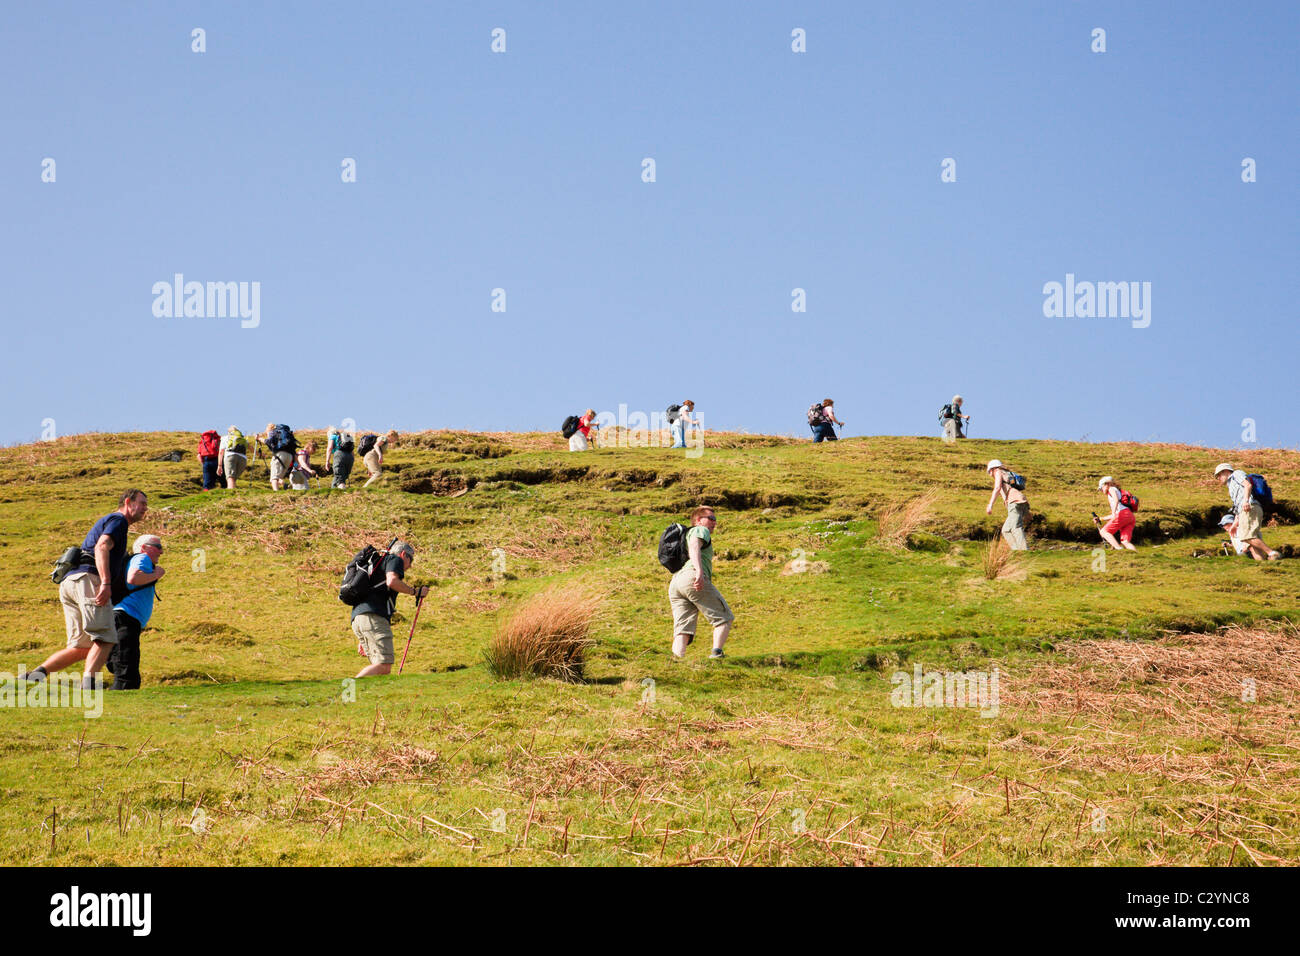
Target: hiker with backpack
x,y
579,430
822,420
340,457
679,416
1120,521
303,472
951,417
374,578
1012,489
131,614
282,443
1249,493
371,448
232,456
209,453
91,579
688,553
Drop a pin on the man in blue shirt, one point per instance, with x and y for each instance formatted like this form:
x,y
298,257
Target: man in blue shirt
x,y
131,614
89,590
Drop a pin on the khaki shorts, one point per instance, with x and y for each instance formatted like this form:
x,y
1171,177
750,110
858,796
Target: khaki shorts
x,y
687,603
1250,521
233,465
372,463
281,464
86,621
376,636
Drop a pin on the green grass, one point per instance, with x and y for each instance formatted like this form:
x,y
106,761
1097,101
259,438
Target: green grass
x,y
788,752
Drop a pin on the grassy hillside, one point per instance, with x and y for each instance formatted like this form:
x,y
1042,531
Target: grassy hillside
x,y
1121,735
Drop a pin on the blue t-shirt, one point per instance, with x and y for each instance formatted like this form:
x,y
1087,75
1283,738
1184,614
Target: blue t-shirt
x,y
113,525
139,604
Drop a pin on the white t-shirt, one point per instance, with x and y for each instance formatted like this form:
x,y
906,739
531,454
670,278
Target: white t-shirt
x,y
223,450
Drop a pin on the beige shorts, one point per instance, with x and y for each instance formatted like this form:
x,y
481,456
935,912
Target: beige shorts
x,y
233,465
281,464
1250,521
376,636
372,463
86,621
687,603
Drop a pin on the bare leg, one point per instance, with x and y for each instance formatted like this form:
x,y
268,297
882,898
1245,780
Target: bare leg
x,y
720,634
1110,539
375,670
679,644
97,657
61,659
1257,549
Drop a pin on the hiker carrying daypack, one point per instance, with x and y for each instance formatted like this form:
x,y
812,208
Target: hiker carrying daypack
x,y
946,412
1260,491
282,439
672,547
236,442
1013,480
816,414
367,443
570,426
1128,500
673,412
209,444
358,575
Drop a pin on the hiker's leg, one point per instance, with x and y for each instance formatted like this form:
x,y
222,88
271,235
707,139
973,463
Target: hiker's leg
x,y
949,429
61,659
718,612
720,635
97,656
80,616
1013,529
375,634
1110,539
125,658
1257,549
375,670
680,642
685,614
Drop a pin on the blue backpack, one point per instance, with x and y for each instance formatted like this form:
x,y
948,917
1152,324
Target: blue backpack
x,y
282,439
1260,490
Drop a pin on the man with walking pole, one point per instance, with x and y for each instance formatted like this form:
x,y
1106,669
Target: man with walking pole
x,y
372,617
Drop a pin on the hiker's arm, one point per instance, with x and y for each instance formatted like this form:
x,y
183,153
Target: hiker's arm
x,y
997,485
693,548
105,590
138,578
400,586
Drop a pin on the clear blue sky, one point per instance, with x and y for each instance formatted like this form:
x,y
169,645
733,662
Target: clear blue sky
x,y
775,170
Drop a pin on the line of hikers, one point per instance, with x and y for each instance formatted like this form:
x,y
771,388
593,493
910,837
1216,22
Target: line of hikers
x,y
108,594
226,457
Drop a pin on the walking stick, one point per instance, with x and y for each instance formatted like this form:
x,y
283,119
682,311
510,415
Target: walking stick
x,y
418,603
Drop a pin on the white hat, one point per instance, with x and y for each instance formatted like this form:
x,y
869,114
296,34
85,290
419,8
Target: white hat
x,y
1108,480
1226,520
993,464
1222,467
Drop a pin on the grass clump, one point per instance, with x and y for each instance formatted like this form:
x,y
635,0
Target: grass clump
x,y
901,519
545,637
999,562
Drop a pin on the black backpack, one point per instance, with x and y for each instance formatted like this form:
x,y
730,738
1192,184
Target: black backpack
x,y
358,575
282,439
674,412
672,547
945,413
346,444
367,444
570,426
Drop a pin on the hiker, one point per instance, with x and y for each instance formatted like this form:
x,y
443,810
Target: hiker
x,y
950,417
1227,523
371,619
282,444
131,614
372,448
692,591
303,472
1250,511
582,438
232,456
339,457
1004,484
87,592
822,420
209,456
1121,520
678,419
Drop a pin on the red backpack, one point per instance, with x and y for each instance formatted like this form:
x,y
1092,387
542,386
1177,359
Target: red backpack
x,y
1128,500
209,444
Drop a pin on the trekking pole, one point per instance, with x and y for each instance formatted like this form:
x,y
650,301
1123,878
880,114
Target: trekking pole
x,y
418,603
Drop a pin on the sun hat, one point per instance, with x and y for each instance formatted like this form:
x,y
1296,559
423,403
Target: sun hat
x,y
1108,480
1222,467
1225,520
993,464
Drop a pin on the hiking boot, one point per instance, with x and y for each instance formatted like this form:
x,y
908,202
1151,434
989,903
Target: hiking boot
x,y
716,653
35,676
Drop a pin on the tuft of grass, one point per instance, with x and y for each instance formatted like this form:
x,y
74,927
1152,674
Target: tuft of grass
x,y
999,561
545,637
900,520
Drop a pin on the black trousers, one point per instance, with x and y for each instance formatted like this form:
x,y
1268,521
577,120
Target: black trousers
x,y
124,661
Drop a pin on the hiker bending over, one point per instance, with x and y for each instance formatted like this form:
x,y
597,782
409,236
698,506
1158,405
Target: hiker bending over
x,y
372,448
1250,512
581,439
951,417
131,614
303,472
1120,521
1013,529
679,416
88,592
232,456
691,590
371,619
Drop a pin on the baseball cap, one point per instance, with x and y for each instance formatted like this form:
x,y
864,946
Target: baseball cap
x,y
993,464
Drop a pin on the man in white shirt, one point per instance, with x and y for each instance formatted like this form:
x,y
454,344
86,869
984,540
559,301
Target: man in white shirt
x,y
1250,513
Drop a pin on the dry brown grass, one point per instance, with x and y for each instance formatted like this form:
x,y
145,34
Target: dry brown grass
x,y
999,562
899,520
545,637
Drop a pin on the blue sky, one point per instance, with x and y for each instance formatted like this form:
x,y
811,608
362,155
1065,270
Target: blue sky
x,y
775,170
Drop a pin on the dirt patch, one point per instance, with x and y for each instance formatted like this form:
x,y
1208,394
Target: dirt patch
x,y
443,483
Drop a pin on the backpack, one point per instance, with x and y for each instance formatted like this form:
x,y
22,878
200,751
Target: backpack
x,y
674,412
672,547
1013,480
945,413
358,575
282,439
1128,500
345,443
236,442
816,414
570,426
74,557
1260,490
367,443
209,443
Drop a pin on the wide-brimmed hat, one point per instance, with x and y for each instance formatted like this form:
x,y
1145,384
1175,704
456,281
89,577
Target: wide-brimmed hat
x,y
1108,480
1221,468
